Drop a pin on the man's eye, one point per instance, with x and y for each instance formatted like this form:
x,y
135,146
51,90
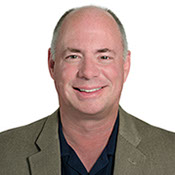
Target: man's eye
x,y
105,57
72,57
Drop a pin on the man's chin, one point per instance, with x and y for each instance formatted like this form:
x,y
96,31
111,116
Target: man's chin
x,y
91,112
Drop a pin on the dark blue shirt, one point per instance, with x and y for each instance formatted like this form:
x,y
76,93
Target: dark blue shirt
x,y
72,165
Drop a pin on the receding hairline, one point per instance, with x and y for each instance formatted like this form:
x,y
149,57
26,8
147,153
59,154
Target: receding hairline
x,y
77,10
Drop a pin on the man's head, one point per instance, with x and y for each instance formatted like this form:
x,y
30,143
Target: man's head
x,y
88,68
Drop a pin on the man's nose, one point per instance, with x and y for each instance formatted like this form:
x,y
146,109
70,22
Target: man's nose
x,y
88,69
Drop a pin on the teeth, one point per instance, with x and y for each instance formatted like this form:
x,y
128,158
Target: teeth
x,y
90,90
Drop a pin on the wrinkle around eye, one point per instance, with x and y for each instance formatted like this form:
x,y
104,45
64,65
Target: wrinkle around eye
x,y
105,59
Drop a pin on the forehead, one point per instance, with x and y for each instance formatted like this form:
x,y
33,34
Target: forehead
x,y
88,22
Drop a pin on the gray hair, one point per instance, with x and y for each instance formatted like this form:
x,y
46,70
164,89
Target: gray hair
x,y
121,28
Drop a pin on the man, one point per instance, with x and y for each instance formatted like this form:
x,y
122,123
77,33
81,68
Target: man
x,y
90,133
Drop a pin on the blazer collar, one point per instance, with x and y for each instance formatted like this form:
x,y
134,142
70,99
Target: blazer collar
x,y
129,160
47,160
127,128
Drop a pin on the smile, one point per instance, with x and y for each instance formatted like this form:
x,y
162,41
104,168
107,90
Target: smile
x,y
88,90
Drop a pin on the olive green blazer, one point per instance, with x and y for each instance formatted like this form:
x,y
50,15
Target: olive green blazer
x,y
34,149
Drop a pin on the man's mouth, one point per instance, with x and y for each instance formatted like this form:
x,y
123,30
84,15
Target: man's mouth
x,y
88,90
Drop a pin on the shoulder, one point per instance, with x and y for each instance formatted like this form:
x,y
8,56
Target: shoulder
x,y
156,143
18,144
146,130
21,134
24,135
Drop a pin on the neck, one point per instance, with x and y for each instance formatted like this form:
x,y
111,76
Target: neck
x,y
86,125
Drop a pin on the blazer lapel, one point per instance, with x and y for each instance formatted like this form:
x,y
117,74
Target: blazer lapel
x,y
129,160
47,160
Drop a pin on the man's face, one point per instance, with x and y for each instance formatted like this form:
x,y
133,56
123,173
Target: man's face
x,y
89,70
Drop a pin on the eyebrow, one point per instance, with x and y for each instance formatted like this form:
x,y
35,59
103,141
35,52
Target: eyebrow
x,y
104,50
72,50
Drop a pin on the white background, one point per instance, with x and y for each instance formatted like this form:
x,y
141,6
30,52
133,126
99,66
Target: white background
x,y
27,92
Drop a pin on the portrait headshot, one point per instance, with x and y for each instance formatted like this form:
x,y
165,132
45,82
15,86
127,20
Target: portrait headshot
x,y
90,89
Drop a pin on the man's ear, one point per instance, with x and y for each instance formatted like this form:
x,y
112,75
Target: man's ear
x,y
51,63
127,64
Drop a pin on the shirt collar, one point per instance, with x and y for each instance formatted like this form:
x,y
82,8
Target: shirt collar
x,y
111,146
65,148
